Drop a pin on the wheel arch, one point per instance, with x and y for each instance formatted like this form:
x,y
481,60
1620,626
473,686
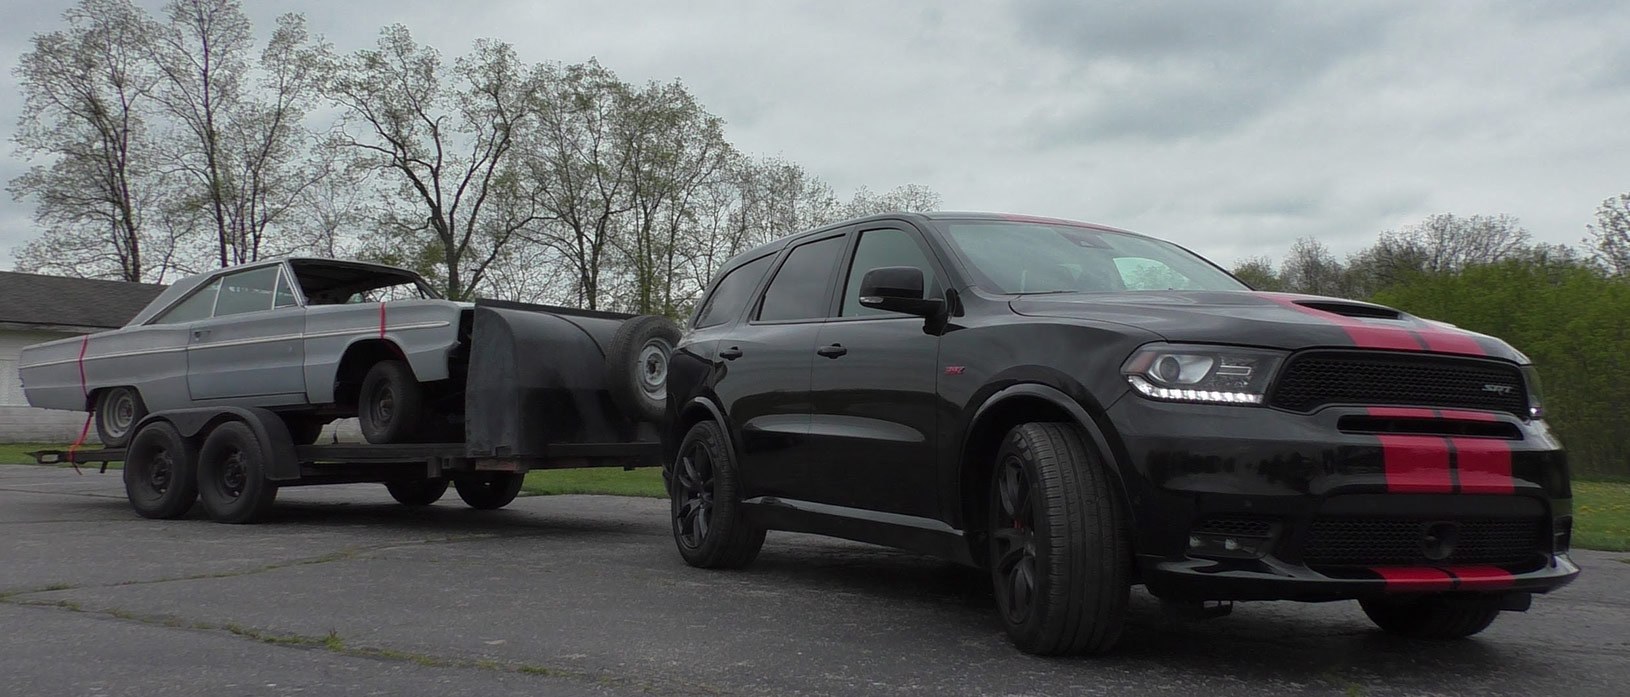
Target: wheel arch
x,y
694,412
276,446
359,356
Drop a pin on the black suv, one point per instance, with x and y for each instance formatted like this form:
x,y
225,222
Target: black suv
x,y
1079,409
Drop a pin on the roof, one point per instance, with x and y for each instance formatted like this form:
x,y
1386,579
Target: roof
x,y
71,302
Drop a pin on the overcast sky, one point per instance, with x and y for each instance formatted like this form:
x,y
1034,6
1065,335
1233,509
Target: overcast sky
x,y
1229,127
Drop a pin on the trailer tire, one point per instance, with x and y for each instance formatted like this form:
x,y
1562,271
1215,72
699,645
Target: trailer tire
x,y
489,490
704,493
232,481
637,366
160,472
391,405
418,492
118,410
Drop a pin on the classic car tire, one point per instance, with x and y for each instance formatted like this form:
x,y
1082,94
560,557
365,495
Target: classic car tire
x,y
232,481
118,410
704,496
419,492
489,490
637,366
1432,617
391,406
1060,557
160,472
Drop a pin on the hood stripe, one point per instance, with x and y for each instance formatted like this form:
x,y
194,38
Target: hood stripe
x,y
1363,335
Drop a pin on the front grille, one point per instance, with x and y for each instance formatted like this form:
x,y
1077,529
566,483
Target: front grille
x,y
1343,541
1318,378
1236,526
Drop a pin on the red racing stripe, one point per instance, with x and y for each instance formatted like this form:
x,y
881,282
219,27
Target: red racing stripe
x,y
1468,415
1416,464
1415,578
1484,465
1402,413
1363,335
1450,341
1481,577
381,320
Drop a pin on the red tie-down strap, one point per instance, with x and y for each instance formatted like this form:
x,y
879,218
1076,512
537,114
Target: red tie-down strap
x,y
85,430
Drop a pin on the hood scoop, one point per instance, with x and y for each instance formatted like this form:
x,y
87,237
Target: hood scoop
x,y
1351,309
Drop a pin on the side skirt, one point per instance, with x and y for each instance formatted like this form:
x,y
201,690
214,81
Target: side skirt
x,y
911,533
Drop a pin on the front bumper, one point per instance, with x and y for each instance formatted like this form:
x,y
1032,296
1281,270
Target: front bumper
x,y
1252,503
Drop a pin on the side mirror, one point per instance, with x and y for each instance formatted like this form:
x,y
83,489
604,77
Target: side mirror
x,y
898,289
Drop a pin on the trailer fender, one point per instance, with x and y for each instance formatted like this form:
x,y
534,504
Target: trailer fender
x,y
276,446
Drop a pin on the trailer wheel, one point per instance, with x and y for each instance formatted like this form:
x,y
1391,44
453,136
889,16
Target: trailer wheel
x,y
118,410
161,472
489,490
705,502
391,405
232,479
1432,617
418,492
637,366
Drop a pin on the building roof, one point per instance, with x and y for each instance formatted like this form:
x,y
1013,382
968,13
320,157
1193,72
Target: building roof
x,y
59,301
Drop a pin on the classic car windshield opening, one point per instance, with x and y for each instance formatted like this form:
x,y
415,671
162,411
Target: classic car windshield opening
x,y
339,284
1020,257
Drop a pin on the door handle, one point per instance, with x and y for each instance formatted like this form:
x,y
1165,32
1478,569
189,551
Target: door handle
x,y
832,351
731,353
200,333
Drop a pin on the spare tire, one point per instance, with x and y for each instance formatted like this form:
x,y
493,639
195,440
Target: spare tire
x,y
637,366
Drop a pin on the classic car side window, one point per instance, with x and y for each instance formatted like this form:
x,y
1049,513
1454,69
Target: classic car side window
x,y
196,307
247,291
285,294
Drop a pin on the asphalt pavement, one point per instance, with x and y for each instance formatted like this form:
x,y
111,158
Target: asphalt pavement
x,y
344,592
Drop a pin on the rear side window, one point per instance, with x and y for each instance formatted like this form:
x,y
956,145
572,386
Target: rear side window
x,y
799,288
248,291
730,296
197,306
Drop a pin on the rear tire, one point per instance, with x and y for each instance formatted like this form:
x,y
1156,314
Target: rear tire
x,y
160,472
490,490
419,492
118,410
704,494
391,405
1432,616
232,481
1060,556
637,366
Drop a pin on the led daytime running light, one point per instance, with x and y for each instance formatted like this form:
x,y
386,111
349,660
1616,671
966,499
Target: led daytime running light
x,y
1214,396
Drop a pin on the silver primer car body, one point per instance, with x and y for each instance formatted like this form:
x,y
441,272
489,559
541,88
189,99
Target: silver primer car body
x,y
271,334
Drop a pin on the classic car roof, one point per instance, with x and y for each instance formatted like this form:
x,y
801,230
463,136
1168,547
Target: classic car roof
x,y
317,275
71,302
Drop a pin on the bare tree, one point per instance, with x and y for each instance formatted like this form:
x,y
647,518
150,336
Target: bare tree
x,y
908,198
1446,243
1609,239
1311,268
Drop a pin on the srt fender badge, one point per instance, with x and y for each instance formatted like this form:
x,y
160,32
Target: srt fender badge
x,y
955,369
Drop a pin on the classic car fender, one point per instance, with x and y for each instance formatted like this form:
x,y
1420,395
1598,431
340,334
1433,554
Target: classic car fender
x,y
276,446
423,332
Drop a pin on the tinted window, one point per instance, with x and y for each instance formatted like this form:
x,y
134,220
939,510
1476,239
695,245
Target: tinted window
x,y
1021,257
877,249
196,307
285,294
247,291
799,288
730,296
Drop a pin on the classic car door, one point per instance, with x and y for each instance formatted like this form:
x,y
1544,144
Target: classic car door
x,y
253,344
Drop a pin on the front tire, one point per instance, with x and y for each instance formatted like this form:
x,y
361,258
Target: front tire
x,y
704,494
490,490
118,410
232,479
1432,616
391,406
419,492
160,472
1060,558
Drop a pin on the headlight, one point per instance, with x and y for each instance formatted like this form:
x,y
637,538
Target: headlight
x,y
1210,374
1530,379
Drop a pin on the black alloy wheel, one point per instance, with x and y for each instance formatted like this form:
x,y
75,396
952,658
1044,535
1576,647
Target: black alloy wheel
x,y
1013,541
693,489
710,527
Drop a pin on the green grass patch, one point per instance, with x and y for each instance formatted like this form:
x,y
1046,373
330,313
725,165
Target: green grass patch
x,y
645,481
1601,516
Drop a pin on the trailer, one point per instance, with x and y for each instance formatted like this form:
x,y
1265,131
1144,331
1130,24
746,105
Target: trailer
x,y
543,388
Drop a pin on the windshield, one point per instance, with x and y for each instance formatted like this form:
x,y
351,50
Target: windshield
x,y
1023,257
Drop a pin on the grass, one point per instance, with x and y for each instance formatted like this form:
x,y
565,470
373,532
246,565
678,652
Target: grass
x,y
597,480
1601,515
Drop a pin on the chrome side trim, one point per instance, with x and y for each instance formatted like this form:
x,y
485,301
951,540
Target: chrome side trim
x,y
245,342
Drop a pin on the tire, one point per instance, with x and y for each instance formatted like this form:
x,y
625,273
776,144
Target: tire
x,y
391,405
304,429
419,492
232,481
160,472
704,493
489,490
1060,557
1432,616
118,410
637,366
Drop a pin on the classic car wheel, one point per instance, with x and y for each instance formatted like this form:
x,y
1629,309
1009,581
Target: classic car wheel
x,y
1432,617
232,479
118,409
489,490
637,366
705,503
391,405
1060,559
160,472
419,492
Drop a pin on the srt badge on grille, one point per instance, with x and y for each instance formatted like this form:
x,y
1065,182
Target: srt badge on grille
x,y
1498,389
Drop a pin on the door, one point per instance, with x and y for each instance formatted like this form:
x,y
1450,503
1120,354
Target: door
x,y
764,366
252,346
873,390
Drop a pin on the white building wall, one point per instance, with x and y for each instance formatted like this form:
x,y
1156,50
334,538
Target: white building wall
x,y
20,423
